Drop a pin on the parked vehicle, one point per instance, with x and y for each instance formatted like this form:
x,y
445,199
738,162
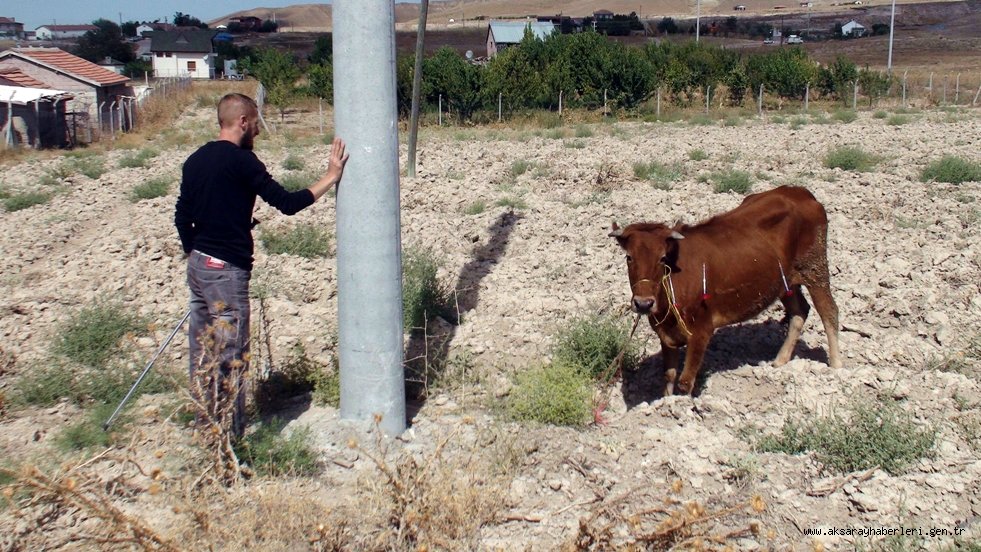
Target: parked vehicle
x,y
794,39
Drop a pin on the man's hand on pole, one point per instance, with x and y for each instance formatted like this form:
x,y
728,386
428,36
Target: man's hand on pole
x,y
335,170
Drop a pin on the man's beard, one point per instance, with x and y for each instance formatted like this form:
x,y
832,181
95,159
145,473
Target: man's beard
x,y
247,142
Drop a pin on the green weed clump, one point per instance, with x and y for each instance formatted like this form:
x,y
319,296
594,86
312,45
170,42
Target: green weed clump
x,y
583,131
897,120
476,208
43,385
293,162
697,155
557,394
591,343
93,334
25,200
850,158
92,167
88,432
153,188
138,160
303,240
514,203
864,436
294,182
739,182
423,295
952,170
270,453
844,116
520,167
660,174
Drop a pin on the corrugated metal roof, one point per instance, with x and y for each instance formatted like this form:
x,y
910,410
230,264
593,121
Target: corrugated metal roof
x,y
74,66
69,27
23,96
511,32
20,78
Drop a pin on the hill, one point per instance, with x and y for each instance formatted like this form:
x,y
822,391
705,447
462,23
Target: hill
x,y
461,13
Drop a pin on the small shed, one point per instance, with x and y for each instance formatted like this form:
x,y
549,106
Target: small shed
x,y
853,29
502,34
33,117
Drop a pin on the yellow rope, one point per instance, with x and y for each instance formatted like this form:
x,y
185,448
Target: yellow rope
x,y
672,306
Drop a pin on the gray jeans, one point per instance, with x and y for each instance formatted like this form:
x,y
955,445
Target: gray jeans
x,y
219,331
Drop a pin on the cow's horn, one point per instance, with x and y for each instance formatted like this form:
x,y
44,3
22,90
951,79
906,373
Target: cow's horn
x,y
615,231
677,235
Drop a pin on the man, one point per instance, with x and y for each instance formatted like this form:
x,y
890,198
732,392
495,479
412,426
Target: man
x,y
220,183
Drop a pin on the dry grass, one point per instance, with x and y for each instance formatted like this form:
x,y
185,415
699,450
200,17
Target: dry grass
x,y
630,522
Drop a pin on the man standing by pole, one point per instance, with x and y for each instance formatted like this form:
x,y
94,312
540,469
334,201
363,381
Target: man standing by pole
x,y
220,183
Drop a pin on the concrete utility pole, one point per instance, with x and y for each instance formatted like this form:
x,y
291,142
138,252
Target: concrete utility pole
x,y
369,253
892,27
698,18
417,87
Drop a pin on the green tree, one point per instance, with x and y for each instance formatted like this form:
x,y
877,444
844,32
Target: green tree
x,y
874,84
458,80
323,50
320,77
105,41
136,69
836,80
278,73
405,67
129,28
185,20
787,72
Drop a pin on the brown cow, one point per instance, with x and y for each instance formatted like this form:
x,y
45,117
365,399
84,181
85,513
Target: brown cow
x,y
690,280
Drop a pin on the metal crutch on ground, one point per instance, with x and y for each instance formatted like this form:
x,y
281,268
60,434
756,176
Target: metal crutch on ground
x,y
105,426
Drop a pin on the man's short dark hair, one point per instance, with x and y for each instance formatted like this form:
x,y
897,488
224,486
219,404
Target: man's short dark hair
x,y
232,106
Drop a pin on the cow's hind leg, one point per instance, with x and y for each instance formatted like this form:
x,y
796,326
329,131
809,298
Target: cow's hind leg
x,y
825,305
797,309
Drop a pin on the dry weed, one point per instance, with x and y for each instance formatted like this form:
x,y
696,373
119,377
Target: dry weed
x,y
76,505
213,396
432,502
618,523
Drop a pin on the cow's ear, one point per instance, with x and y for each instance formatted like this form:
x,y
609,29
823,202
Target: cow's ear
x,y
615,231
671,252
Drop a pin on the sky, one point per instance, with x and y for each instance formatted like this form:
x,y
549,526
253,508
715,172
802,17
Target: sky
x,y
34,13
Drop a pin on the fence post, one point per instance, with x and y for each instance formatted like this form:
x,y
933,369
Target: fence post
x,y
320,111
659,103
807,95
975,102
945,88
37,123
708,94
904,86
560,103
606,110
957,89
500,105
112,124
439,109
760,102
855,96
99,118
10,121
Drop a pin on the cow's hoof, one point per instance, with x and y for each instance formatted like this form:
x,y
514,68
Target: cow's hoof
x,y
685,387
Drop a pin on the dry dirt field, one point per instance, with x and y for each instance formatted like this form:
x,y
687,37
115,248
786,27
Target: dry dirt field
x,y
662,472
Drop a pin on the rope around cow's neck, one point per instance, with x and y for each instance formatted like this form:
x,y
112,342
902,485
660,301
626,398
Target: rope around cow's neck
x,y
668,286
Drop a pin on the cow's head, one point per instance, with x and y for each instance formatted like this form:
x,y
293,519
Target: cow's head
x,y
649,248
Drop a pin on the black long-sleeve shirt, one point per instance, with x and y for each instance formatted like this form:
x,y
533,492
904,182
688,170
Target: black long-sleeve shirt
x,y
218,189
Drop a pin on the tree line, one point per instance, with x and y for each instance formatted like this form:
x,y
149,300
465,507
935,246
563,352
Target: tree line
x,y
587,69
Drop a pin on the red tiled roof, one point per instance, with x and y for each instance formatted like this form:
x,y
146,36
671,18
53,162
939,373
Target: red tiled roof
x,y
7,20
19,78
72,65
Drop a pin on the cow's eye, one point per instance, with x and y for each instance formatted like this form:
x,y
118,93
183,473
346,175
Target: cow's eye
x,y
630,259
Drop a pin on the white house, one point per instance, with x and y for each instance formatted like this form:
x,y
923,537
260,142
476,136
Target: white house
x,y
186,53
501,34
853,29
57,32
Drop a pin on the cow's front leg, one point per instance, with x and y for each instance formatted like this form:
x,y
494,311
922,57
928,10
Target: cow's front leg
x,y
670,357
697,343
